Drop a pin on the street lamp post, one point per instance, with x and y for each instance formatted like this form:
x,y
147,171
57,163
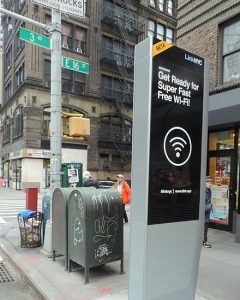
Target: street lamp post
x,y
56,96
55,127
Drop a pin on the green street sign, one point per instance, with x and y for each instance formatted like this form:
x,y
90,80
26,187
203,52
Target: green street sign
x,y
34,38
75,65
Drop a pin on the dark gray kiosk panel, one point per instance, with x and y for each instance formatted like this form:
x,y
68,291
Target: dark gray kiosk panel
x,y
168,171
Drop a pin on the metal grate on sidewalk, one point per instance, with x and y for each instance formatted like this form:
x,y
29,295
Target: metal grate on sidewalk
x,y
5,275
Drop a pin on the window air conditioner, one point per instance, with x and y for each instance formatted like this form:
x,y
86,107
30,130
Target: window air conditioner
x,y
65,45
79,50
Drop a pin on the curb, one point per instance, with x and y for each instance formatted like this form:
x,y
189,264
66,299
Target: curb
x,y
35,279
39,283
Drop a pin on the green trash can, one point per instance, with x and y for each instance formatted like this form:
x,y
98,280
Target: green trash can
x,y
72,175
60,223
95,228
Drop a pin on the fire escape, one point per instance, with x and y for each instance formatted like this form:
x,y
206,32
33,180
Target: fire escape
x,y
127,27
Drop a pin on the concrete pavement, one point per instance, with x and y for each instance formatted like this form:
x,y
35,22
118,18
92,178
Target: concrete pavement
x,y
218,279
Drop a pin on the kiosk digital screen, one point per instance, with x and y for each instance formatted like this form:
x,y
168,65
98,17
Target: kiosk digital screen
x,y
176,135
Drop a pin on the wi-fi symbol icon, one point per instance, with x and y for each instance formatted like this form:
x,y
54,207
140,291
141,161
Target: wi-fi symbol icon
x,y
178,144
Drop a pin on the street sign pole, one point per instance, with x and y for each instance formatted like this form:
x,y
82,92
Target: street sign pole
x,y
55,126
25,19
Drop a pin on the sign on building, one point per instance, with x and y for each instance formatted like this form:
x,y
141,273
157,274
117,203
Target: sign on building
x,y
72,7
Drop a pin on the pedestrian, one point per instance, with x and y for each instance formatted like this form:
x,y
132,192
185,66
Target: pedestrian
x,y
89,181
208,208
124,189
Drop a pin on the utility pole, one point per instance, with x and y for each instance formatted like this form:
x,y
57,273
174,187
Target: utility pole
x,y
55,126
56,98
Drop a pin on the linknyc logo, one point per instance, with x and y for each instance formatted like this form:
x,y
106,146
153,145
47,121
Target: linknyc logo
x,y
193,59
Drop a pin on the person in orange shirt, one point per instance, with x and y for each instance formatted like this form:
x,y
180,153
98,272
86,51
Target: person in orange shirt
x,y
124,189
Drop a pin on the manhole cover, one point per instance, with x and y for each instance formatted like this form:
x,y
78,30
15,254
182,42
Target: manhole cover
x,y
5,275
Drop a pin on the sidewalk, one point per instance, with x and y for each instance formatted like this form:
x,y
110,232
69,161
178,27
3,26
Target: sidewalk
x,y
218,279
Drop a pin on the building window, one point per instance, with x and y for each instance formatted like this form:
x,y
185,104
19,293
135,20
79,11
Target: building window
x,y
8,91
6,130
165,6
161,4
151,28
20,44
18,122
231,52
20,76
73,38
160,31
9,26
66,36
170,7
67,80
21,4
78,83
8,60
114,51
47,73
169,35
222,140
111,128
152,3
114,89
80,40
72,82
46,121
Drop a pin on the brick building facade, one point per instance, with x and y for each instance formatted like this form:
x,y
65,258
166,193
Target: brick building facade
x,y
105,39
211,29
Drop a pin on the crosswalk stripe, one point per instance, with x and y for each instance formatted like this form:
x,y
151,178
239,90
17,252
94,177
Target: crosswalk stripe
x,y
2,221
19,205
14,208
10,217
8,213
10,206
9,210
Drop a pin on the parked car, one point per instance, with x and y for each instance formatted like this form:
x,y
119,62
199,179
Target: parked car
x,y
105,184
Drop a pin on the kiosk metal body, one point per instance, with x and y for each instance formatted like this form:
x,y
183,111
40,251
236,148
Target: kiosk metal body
x,y
168,171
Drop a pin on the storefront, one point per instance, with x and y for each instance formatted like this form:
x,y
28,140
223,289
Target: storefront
x,y
31,167
223,167
224,158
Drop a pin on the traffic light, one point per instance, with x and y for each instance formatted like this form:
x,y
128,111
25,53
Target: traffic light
x,y
75,126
